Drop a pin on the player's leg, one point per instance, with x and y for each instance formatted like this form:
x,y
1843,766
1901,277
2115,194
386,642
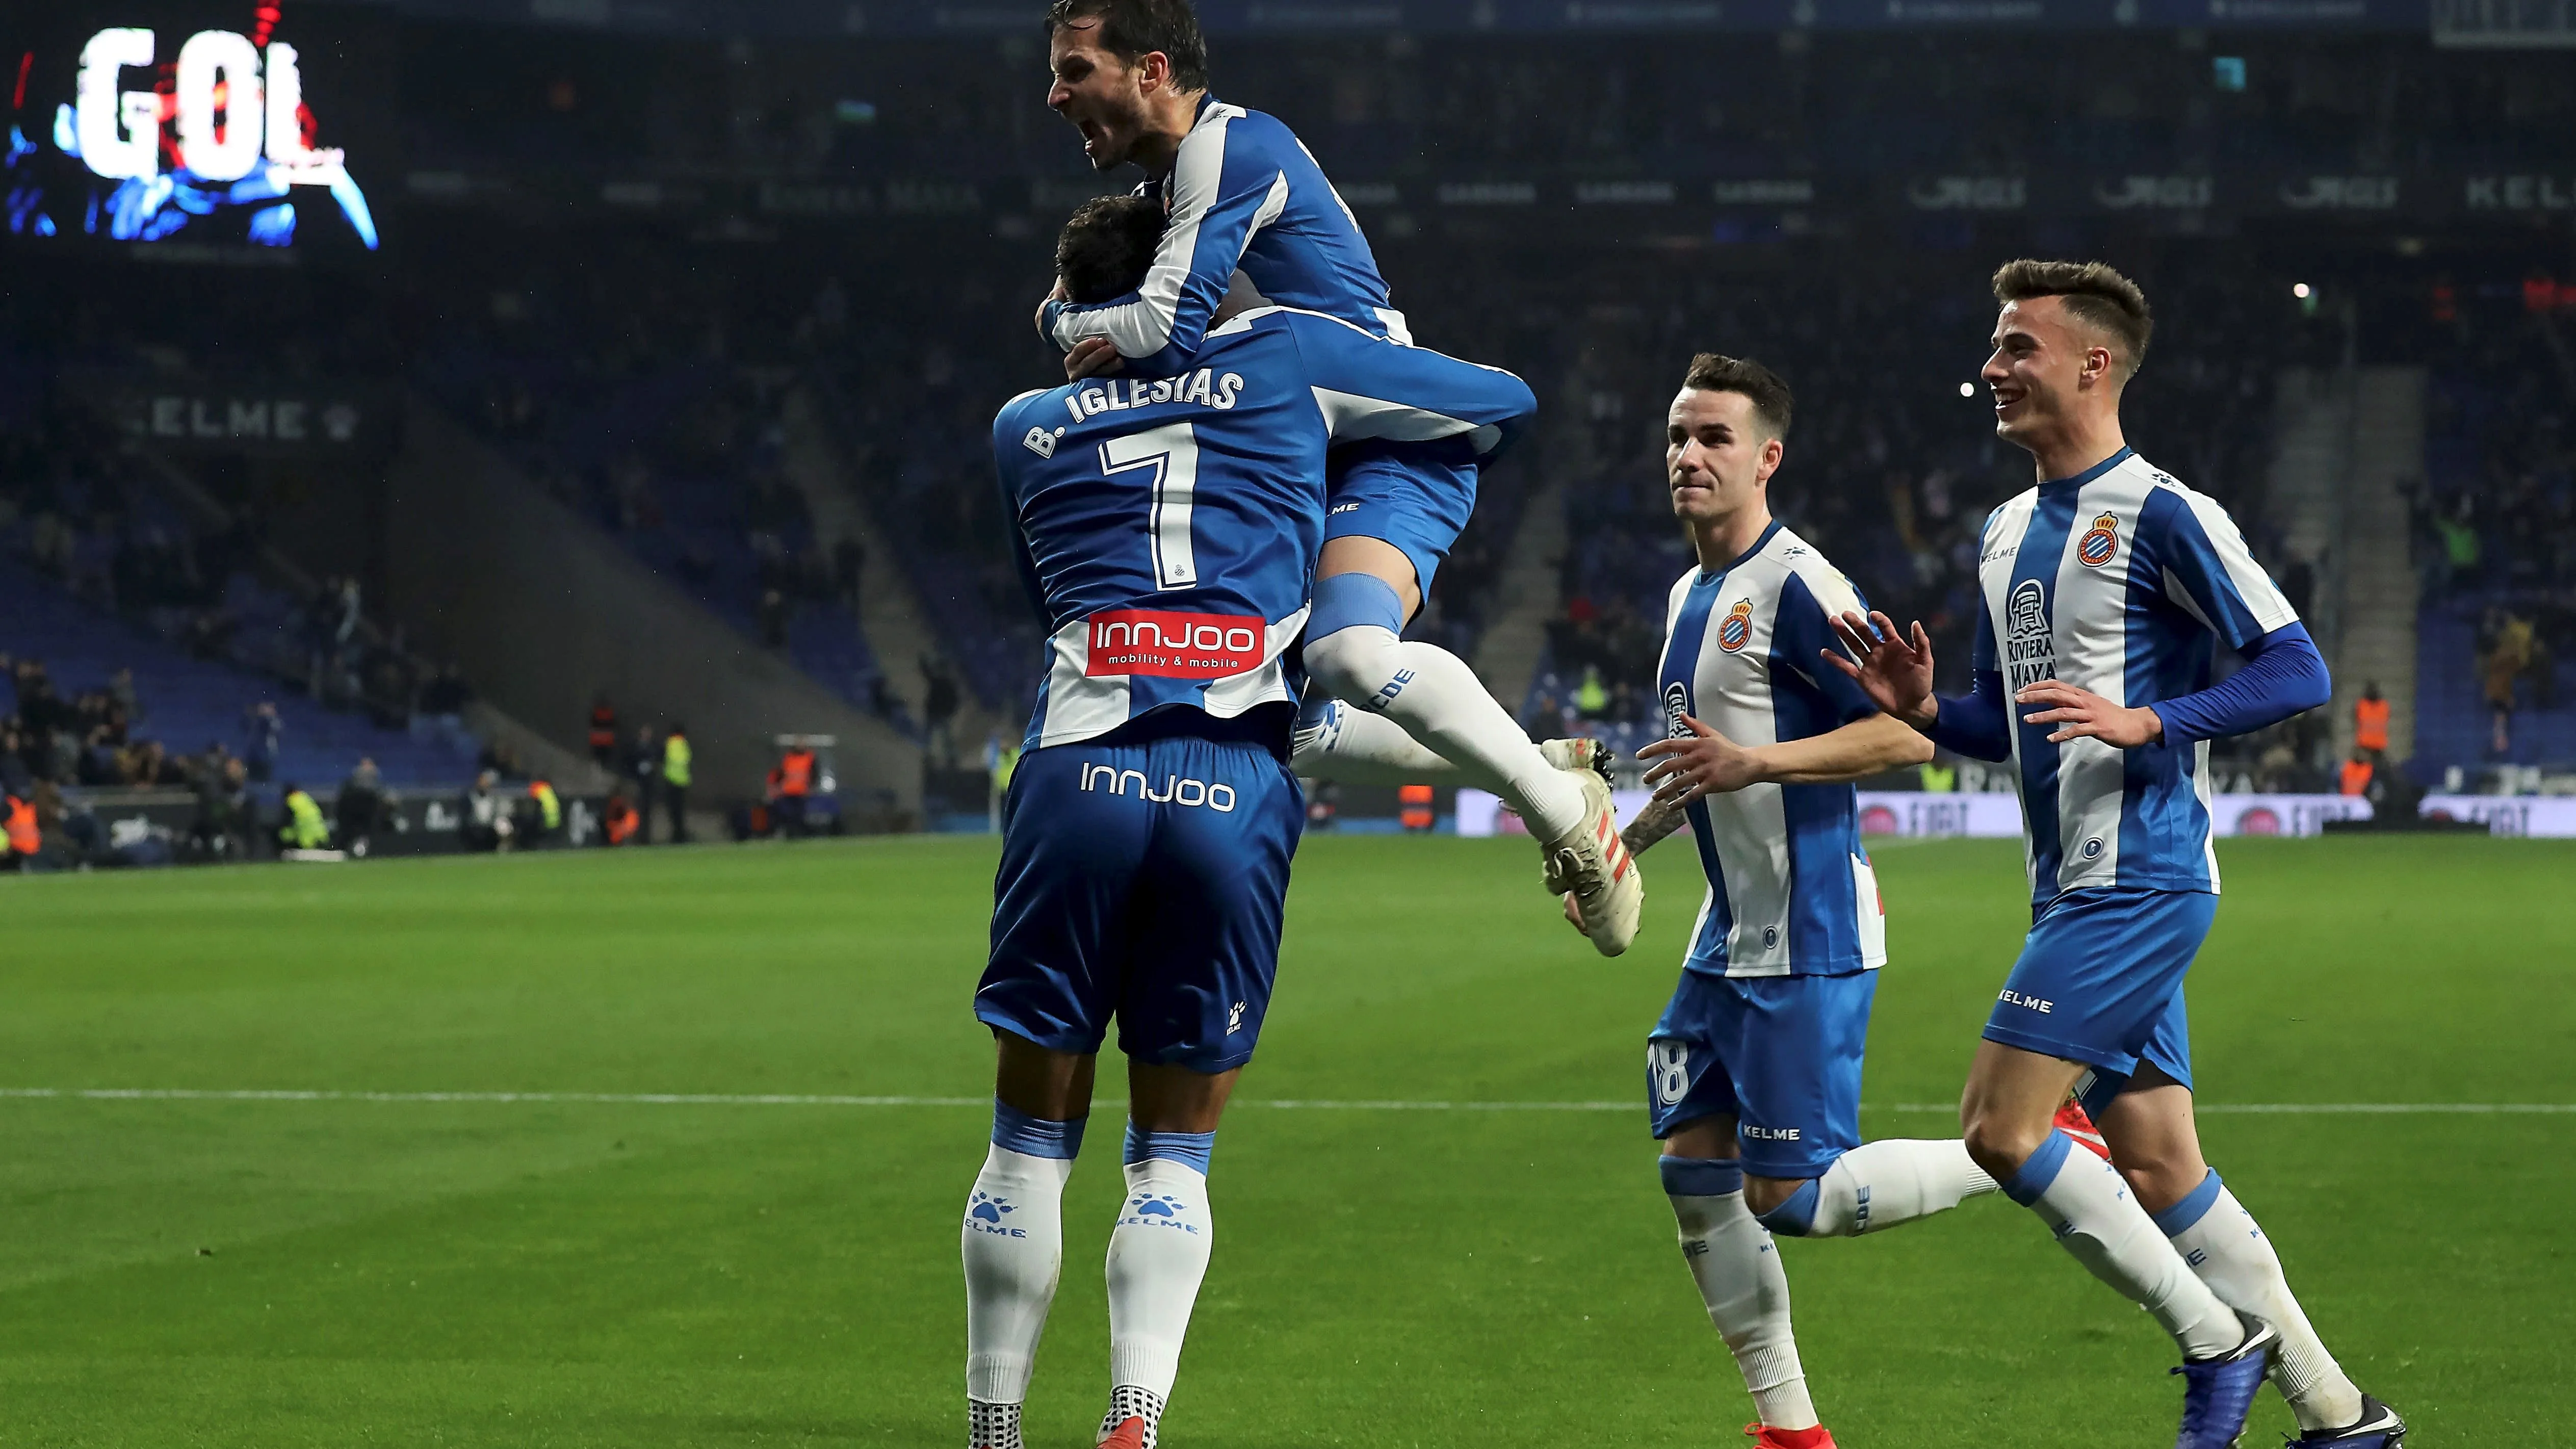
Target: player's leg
x,y
1059,948
1395,512
1013,1240
2156,1145
2091,985
1158,1252
1692,1107
1209,909
1803,1074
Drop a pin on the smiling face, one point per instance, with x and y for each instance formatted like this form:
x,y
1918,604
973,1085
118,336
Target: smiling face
x,y
1718,458
1100,93
2047,364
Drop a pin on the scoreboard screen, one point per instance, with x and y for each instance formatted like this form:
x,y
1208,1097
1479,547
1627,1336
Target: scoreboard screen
x,y
216,124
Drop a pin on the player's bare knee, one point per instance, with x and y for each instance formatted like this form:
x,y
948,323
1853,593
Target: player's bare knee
x,y
2000,1144
1765,1195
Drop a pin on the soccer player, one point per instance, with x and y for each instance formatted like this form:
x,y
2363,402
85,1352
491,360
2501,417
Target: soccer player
x,y
1250,209
1753,1073
1167,529
2103,589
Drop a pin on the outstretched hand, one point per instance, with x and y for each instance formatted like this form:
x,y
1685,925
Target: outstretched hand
x,y
1708,763
2082,714
1895,669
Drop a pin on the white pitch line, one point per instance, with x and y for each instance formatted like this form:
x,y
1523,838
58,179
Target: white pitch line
x,y
788,1099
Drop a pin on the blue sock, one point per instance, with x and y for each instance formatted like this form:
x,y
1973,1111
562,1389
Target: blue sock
x,y
2039,1169
1701,1176
1017,1131
1190,1149
1347,599
2174,1221
1793,1218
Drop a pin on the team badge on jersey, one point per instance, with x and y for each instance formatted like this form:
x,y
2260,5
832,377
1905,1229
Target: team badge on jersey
x,y
1737,628
2101,543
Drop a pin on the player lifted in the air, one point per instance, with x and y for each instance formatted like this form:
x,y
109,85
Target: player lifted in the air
x,y
1251,211
1166,524
2103,592
1753,1074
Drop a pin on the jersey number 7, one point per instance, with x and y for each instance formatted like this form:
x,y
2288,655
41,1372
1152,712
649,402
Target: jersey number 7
x,y
1172,451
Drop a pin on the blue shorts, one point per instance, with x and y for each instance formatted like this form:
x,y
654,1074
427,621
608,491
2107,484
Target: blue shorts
x,y
1416,496
1779,1054
1146,881
2100,982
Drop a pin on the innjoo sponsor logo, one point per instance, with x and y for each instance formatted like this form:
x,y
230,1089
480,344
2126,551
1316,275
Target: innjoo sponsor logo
x,y
1176,791
1175,646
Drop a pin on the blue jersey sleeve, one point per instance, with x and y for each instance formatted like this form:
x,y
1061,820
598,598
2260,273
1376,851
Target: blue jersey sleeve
x,y
1369,388
1225,186
1978,724
1801,632
2207,571
2283,675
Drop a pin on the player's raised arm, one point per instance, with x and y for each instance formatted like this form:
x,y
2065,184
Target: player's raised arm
x,y
1370,388
1895,669
1221,194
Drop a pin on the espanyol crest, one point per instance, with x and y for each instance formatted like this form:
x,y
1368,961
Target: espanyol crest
x,y
1737,628
2100,543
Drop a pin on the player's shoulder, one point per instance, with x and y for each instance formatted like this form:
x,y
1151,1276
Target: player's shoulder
x,y
1021,423
1799,567
2164,501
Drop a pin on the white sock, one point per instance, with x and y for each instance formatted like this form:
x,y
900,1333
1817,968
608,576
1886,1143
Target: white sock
x,y
1437,699
1335,741
1740,1279
1158,1254
2086,1202
1879,1185
2224,1245
1013,1244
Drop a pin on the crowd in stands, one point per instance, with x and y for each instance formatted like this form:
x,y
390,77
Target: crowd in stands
x,y
2495,521
1384,106
649,396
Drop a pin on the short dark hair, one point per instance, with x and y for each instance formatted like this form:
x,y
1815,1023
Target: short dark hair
x,y
1134,29
2096,295
1108,247
1772,404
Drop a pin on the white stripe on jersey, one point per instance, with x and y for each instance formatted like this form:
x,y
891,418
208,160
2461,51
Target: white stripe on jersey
x,y
1774,873
1080,705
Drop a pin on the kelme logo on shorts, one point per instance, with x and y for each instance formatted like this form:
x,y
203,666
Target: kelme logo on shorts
x,y
2099,543
1737,628
1167,645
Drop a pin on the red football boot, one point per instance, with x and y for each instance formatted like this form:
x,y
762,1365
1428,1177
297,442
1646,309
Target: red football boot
x,y
1130,1434
1766,1437
2072,1121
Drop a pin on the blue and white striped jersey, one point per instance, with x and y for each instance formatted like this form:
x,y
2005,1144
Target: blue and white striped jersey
x,y
2118,580
1244,195
1790,890
1167,526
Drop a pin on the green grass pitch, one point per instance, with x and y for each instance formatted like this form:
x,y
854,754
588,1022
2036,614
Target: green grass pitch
x,y
274,1273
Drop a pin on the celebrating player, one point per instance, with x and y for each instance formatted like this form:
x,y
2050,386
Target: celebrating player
x,y
2101,591
1167,531
1753,1074
1245,199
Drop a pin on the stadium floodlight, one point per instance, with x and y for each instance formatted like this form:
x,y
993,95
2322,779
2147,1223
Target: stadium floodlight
x,y
1967,389
2300,291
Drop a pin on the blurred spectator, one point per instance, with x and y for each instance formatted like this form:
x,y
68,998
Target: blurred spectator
x,y
304,827
2370,719
603,733
263,727
678,772
644,767
2357,771
484,818
939,706
548,818
361,808
222,827
618,821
